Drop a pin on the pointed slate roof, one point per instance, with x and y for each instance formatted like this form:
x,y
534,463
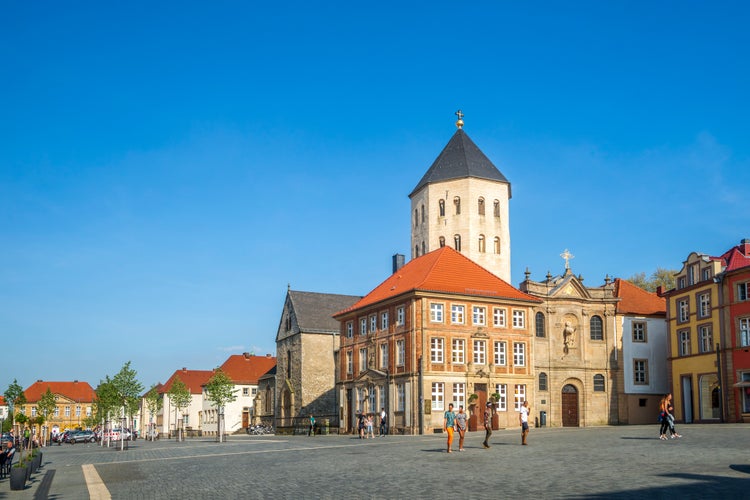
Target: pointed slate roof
x,y
459,159
442,270
314,310
636,300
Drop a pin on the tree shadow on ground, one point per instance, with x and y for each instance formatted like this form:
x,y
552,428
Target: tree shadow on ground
x,y
699,487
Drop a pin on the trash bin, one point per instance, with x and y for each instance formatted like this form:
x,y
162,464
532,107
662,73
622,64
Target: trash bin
x,y
542,419
325,426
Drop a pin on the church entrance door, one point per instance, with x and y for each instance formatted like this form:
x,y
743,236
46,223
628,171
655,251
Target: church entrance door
x,y
569,406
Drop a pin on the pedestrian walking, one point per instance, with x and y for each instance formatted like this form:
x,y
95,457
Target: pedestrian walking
x,y
487,423
311,432
670,417
523,418
383,416
449,420
370,434
461,419
361,424
663,418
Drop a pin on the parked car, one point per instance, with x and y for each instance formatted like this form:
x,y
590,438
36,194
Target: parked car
x,y
117,434
7,436
81,437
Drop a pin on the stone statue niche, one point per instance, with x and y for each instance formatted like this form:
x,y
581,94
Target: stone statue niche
x,y
570,327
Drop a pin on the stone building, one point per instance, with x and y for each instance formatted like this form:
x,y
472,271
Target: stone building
x,y
306,341
441,329
575,351
462,201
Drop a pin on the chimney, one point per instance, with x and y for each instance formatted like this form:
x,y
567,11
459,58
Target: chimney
x,y
659,290
398,262
184,368
246,354
745,247
75,381
268,355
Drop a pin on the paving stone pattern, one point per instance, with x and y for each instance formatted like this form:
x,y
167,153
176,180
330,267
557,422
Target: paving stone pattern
x,y
710,461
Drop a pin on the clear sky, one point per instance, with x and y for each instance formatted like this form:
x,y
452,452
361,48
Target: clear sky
x,y
168,168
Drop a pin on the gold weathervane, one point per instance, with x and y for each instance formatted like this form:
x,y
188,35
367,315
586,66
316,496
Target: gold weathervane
x,y
460,121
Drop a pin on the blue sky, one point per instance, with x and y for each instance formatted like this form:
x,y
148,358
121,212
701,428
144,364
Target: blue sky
x,y
167,168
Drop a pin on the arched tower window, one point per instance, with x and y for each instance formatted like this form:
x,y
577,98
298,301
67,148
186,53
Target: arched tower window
x,y
416,251
480,206
416,217
497,245
457,203
597,332
481,243
542,381
540,331
457,242
598,383
441,208
422,213
424,248
497,208
442,241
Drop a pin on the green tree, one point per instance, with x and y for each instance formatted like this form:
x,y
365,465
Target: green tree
x,y
180,397
154,403
219,392
107,403
45,407
128,388
661,277
14,397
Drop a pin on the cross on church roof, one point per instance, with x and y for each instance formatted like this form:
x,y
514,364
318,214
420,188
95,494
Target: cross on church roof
x,y
567,256
460,121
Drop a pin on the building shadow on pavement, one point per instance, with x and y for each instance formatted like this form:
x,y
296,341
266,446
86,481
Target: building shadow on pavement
x,y
700,487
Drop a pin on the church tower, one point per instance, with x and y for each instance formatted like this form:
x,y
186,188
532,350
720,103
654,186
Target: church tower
x,y
462,202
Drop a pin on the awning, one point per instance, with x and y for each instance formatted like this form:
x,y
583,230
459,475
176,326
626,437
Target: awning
x,y
744,383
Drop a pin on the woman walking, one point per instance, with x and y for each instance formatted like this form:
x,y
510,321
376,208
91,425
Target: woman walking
x,y
670,417
461,426
663,418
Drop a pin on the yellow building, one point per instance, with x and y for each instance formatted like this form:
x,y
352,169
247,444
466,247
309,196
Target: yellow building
x,y
74,402
694,331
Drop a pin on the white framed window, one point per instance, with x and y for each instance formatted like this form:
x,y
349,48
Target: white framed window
x,y
400,352
400,397
363,326
744,329
245,391
479,316
639,331
500,354
742,291
520,395
373,323
400,316
705,338
78,411
706,274
436,350
519,319
458,351
349,362
519,354
88,411
33,412
349,329
436,312
363,359
57,411
684,336
384,321
498,317
502,403
704,305
683,310
384,355
67,411
438,395
459,394
457,314
640,371
480,352
745,377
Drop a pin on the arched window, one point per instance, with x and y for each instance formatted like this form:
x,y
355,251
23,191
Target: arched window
x,y
423,213
540,332
497,208
481,243
457,242
442,241
497,245
480,202
598,383
597,332
416,251
542,381
416,217
424,248
441,208
457,203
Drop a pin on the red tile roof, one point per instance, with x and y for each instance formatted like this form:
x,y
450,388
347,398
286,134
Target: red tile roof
x,y
737,257
2,401
636,300
247,368
442,270
193,379
75,391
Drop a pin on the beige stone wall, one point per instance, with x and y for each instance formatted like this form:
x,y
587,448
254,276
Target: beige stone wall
x,y
317,377
469,224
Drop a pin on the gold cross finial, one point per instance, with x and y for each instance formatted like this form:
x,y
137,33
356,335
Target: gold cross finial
x,y
567,256
460,121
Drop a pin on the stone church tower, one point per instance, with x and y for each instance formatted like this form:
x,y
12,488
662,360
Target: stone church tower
x,y
462,202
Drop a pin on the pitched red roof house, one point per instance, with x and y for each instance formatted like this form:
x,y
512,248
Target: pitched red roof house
x,y
193,379
442,270
737,257
247,368
636,300
75,391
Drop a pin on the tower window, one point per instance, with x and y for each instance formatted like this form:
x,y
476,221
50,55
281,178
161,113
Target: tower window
x,y
457,242
442,241
441,208
424,248
423,213
416,217
481,243
457,203
480,207
497,208
497,245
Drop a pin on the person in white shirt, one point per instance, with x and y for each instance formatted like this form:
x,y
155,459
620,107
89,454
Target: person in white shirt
x,y
523,418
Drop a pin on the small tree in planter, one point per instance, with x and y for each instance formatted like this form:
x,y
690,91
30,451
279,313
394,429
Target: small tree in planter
x,y
154,403
180,397
45,406
220,391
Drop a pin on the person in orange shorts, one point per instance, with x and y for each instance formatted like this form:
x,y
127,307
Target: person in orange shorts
x,y
449,420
